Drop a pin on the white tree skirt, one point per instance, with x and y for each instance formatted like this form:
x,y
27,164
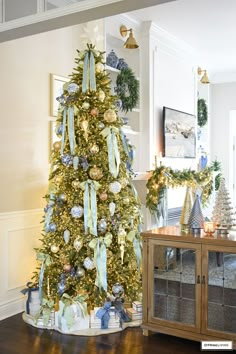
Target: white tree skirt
x,y
84,332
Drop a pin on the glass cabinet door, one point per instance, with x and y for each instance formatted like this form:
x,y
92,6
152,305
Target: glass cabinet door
x,y
176,274
220,291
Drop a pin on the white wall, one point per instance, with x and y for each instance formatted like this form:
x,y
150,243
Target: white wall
x,y
222,101
25,67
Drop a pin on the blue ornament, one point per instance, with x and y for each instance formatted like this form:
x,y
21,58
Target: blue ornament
x,y
52,196
77,211
61,99
59,130
117,289
73,272
61,198
61,288
84,163
73,88
67,160
52,227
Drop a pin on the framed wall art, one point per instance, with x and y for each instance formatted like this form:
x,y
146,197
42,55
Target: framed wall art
x,y
179,133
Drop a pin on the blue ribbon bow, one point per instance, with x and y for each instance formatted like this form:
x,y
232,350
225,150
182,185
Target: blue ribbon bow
x,y
28,290
104,314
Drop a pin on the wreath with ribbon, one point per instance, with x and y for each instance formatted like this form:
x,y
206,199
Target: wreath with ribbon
x,y
127,89
202,112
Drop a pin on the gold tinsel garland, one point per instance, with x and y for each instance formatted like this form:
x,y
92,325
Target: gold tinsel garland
x,y
163,177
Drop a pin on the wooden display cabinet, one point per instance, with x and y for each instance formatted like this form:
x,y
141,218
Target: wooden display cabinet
x,y
186,291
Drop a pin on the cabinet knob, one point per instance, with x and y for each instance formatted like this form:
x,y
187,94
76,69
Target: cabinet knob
x,y
203,279
198,279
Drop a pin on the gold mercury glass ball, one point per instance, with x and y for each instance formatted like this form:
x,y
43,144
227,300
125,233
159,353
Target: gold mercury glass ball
x,y
94,149
110,116
75,184
95,173
57,145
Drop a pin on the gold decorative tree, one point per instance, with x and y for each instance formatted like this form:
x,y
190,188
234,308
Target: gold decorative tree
x,y
91,239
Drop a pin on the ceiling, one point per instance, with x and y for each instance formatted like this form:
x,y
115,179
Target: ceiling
x,y
208,26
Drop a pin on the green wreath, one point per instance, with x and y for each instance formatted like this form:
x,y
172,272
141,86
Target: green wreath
x,y
127,89
202,112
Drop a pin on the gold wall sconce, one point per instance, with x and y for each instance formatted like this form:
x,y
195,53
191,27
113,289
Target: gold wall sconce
x,y
131,41
204,79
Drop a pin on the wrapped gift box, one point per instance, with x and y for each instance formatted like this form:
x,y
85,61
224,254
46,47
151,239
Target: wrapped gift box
x,y
74,312
134,315
137,306
95,322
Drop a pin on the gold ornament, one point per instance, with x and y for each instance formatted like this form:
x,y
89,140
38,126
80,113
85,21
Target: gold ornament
x,y
99,67
110,116
126,200
124,182
103,196
57,179
54,248
95,173
94,149
57,145
76,184
94,112
101,95
84,126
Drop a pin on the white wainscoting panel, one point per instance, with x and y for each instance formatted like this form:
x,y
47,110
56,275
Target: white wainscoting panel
x,y
19,235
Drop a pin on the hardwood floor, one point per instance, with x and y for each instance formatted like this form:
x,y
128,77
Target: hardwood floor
x,y
17,337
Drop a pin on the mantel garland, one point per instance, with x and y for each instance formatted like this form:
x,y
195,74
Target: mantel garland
x,y
164,177
127,89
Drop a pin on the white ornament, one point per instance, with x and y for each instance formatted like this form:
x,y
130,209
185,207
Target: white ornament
x,y
66,236
54,248
78,243
101,95
99,67
85,105
88,263
112,208
77,211
115,187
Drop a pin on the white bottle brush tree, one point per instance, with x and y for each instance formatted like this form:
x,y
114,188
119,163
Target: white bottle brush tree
x,y
223,212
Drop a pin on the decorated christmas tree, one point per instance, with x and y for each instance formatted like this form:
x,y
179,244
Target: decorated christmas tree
x,y
91,239
223,212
